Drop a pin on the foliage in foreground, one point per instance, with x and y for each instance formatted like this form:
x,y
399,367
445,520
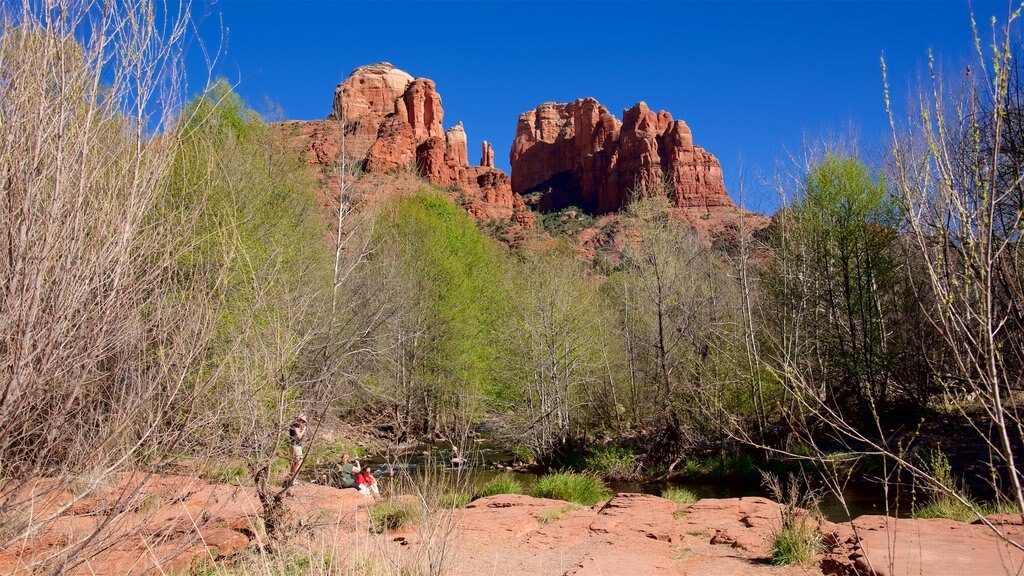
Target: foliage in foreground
x,y
796,539
585,489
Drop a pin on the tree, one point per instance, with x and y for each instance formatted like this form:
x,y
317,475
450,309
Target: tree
x,y
834,285
551,353
439,281
676,303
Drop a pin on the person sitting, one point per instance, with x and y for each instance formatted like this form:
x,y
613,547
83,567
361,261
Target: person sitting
x,y
366,483
346,471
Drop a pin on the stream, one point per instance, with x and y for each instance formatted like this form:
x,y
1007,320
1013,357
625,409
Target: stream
x,y
483,462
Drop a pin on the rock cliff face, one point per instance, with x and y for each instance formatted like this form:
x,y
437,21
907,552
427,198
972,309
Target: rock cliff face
x,y
394,122
580,154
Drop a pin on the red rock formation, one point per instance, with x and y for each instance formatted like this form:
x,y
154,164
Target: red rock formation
x,y
579,154
369,95
394,122
486,155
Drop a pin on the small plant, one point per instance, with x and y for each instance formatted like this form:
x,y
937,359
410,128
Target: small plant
x,y
680,553
941,502
391,515
234,474
680,496
549,516
504,484
949,508
149,504
613,462
796,540
457,499
585,489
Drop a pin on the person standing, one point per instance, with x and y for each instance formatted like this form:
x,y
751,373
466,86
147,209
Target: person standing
x,y
296,431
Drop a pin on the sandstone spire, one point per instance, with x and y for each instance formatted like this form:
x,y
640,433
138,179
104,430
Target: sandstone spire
x,y
486,155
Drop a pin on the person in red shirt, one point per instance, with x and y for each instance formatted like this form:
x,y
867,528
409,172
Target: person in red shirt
x,y
366,483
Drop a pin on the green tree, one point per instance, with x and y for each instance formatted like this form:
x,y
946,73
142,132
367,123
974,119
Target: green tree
x,y
257,254
835,285
440,283
552,353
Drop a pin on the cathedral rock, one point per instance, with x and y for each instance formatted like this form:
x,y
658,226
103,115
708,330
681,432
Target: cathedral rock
x,y
578,154
394,122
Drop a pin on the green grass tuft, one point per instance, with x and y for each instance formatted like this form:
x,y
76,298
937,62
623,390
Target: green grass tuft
x,y
549,516
454,499
392,515
612,462
796,543
680,496
504,484
585,489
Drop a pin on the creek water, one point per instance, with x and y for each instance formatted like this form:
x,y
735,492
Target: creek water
x,y
484,463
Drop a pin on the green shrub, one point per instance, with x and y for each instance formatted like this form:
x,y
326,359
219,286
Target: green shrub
x,y
679,495
504,484
391,515
454,499
942,504
585,489
230,474
566,222
612,462
796,539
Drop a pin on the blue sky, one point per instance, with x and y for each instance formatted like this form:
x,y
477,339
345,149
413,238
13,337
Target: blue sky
x,y
754,80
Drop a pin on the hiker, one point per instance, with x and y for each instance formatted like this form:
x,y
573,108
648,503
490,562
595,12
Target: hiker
x,y
348,472
366,483
296,431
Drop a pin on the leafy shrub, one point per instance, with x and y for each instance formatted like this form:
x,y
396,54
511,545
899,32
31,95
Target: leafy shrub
x,y
504,484
391,515
566,222
942,504
229,474
948,508
679,495
612,462
585,489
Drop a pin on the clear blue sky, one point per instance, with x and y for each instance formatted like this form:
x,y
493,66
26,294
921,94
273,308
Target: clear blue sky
x,y
752,79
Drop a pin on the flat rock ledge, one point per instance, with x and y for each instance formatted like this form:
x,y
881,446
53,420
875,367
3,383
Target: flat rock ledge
x,y
174,523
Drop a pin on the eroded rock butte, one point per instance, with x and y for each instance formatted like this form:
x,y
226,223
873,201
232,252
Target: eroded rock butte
x,y
394,122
